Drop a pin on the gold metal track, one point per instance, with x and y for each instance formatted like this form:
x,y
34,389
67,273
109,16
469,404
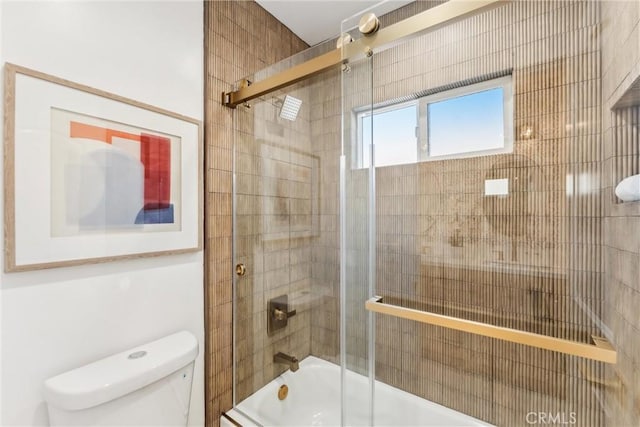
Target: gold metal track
x,y
601,350
285,78
429,20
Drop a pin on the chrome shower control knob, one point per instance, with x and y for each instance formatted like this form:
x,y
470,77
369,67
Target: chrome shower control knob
x,y
369,24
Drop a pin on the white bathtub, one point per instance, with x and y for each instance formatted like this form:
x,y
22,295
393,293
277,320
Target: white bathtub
x,y
314,400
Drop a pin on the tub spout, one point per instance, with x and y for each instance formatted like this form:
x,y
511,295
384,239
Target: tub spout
x,y
292,361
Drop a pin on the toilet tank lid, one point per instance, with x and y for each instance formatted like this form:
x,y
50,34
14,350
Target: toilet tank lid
x,y
120,374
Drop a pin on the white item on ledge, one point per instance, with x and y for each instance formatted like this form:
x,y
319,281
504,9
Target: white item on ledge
x,y
628,190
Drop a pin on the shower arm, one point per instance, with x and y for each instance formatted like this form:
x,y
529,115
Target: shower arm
x,y
601,350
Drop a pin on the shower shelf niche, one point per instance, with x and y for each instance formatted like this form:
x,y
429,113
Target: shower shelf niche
x,y
601,350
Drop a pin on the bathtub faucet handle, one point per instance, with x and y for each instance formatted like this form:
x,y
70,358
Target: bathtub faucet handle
x,y
279,314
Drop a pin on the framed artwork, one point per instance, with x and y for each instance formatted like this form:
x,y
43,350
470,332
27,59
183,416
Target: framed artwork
x,y
92,177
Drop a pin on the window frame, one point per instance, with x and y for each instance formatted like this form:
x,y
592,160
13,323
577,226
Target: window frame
x,y
361,113
422,120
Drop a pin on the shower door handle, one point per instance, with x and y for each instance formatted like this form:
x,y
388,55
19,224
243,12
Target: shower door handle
x,y
600,350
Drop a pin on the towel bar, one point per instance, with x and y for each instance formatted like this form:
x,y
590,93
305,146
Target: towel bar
x,y
601,350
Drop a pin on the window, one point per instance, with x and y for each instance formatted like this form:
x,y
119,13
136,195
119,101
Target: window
x,y
471,120
394,131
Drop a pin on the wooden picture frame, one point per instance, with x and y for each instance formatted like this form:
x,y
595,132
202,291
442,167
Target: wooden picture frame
x,y
92,177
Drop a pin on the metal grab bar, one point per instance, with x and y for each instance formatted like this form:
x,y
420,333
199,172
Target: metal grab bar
x,y
601,350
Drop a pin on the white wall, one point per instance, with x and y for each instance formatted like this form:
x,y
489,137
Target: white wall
x,y
58,319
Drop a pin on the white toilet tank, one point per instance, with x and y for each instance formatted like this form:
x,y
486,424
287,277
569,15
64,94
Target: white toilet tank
x,y
147,385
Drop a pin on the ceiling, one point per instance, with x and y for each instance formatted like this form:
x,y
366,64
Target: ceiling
x,y
317,20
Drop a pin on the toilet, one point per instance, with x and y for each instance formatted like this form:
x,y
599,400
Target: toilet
x,y
147,385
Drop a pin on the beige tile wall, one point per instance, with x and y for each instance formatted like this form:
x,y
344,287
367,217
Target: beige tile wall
x,y
240,39
621,226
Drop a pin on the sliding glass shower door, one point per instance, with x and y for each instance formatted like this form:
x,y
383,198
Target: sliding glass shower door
x,y
472,192
286,247
357,228
277,215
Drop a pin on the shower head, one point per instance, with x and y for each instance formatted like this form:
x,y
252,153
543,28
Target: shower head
x,y
290,107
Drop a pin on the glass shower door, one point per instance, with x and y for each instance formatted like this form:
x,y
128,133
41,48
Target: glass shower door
x,y
276,224
357,214
473,191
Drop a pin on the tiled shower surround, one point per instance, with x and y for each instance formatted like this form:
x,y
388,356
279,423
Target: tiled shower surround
x,y
240,38
553,257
